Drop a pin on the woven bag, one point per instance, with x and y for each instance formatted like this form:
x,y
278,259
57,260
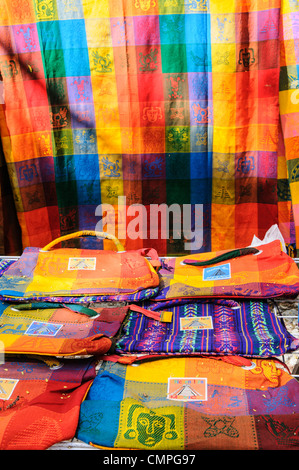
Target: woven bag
x,y
256,273
54,274
40,401
191,404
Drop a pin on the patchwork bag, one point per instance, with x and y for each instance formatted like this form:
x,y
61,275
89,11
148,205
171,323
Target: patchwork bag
x,y
81,275
54,329
248,328
265,272
191,404
40,401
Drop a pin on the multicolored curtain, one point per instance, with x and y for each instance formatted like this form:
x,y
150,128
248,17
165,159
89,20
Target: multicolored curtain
x,y
187,103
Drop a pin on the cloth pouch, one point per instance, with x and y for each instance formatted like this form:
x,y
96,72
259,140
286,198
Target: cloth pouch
x,y
262,272
247,327
53,274
63,330
58,330
40,401
191,404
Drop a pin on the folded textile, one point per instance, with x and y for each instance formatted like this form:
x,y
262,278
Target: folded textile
x,y
191,404
40,401
58,330
53,274
268,273
248,328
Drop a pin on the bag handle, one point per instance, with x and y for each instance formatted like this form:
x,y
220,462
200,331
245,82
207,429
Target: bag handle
x,y
226,256
85,233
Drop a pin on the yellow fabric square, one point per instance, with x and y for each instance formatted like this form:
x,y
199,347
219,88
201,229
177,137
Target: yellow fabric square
x,y
156,371
101,60
94,9
223,58
224,87
7,340
225,6
289,101
49,284
224,140
98,32
106,114
111,189
104,89
294,187
223,28
109,140
224,112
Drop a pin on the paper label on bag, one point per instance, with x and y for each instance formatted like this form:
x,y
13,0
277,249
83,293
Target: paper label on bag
x,y
217,273
196,323
40,328
7,386
187,389
84,264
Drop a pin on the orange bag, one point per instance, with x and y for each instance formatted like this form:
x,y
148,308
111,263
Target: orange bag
x,y
53,274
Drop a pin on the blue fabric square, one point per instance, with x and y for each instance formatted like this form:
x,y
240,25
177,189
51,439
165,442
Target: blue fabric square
x,y
76,62
97,424
86,167
199,57
198,30
73,33
89,192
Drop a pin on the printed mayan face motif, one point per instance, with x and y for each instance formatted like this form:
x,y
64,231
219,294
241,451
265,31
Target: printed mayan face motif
x,y
149,427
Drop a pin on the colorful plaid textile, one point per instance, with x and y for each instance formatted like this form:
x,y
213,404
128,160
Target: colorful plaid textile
x,y
196,328
72,272
40,401
289,115
191,404
58,331
154,102
10,233
270,273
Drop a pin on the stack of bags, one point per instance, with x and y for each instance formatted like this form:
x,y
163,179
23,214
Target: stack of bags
x,y
188,361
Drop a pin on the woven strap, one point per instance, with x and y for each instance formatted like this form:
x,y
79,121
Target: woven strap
x,y
85,233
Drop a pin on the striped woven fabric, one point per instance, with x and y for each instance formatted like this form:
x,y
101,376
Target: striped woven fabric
x,y
152,102
251,329
191,404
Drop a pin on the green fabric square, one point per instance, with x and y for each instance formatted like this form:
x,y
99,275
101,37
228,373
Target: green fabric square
x,y
63,142
67,194
177,139
174,59
178,191
54,63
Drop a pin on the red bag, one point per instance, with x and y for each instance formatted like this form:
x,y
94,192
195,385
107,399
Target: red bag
x,y
40,401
